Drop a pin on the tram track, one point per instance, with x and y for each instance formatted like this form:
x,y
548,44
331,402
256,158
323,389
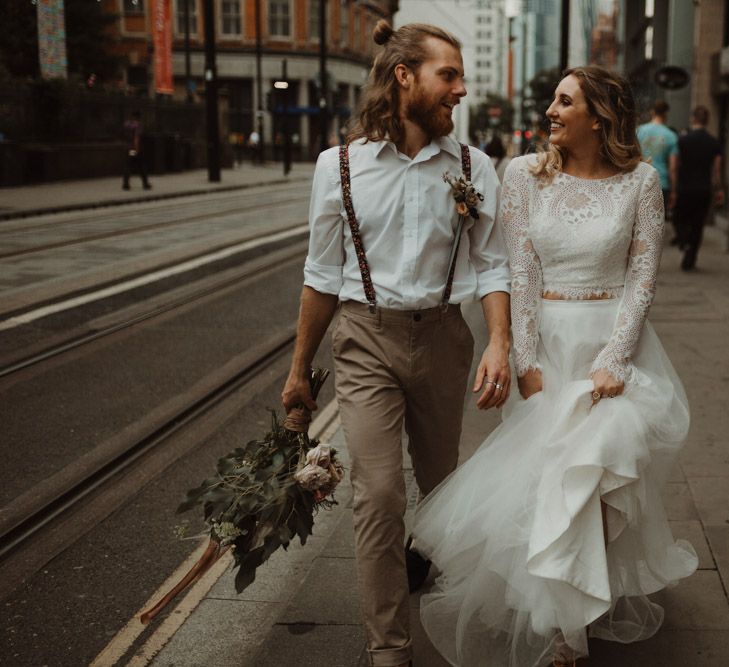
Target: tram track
x,y
178,299
206,217
34,510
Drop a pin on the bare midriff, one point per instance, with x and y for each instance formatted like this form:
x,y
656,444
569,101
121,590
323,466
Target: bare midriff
x,y
556,296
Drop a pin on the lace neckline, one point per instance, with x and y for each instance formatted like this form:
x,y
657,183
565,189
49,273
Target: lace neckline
x,y
593,180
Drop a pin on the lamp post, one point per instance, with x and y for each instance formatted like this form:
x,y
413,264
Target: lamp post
x,y
565,36
323,91
188,77
211,95
259,84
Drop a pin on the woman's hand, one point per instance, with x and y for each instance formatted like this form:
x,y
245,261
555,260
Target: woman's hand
x,y
605,385
530,383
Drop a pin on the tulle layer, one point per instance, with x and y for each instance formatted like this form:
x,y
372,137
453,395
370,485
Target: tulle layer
x,y
517,531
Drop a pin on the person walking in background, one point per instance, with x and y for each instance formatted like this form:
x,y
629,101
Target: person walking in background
x,y
135,158
384,226
254,143
697,171
496,151
660,146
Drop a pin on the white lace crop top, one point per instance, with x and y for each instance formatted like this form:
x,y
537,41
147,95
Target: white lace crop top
x,y
578,238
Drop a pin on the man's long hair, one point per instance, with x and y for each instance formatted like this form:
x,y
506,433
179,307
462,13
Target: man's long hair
x,y
379,110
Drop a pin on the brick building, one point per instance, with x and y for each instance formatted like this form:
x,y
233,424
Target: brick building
x,y
289,29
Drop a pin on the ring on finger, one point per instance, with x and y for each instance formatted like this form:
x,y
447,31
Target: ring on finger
x,y
596,396
499,387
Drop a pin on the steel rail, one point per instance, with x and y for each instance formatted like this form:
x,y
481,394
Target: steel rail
x,y
249,270
52,508
207,217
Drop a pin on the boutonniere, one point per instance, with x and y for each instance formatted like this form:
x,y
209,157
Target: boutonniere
x,y
466,196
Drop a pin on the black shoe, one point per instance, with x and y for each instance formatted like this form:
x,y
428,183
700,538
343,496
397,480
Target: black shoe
x,y
125,187
147,186
417,567
687,264
675,241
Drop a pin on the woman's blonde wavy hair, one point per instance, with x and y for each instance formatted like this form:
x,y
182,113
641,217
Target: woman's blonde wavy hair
x,y
379,109
610,99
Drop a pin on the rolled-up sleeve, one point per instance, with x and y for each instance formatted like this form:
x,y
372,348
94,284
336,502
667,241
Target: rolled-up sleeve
x,y
487,248
325,259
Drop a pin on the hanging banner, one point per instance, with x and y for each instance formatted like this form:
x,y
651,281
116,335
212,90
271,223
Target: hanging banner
x,y
51,39
162,35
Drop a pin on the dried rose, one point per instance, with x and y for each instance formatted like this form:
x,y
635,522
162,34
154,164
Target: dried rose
x,y
312,477
461,208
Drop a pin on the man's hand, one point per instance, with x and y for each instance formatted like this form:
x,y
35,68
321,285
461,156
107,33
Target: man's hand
x,y
672,198
296,392
315,314
493,370
530,383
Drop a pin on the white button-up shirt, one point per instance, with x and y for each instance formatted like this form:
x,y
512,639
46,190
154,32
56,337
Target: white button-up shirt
x,y
407,218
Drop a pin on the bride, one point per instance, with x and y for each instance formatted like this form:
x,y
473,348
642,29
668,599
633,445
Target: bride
x,y
555,529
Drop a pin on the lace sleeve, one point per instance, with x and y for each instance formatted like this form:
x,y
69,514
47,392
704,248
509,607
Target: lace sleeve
x,y
526,271
640,282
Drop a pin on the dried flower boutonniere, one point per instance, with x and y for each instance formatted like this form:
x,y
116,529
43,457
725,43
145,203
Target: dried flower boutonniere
x,y
466,196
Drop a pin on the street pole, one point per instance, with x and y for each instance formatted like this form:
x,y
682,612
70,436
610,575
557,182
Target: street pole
x,y
323,111
188,77
211,95
259,85
565,36
286,128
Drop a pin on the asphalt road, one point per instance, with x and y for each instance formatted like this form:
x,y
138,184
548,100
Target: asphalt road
x,y
123,543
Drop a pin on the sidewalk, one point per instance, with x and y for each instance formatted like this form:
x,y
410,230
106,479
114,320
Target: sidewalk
x,y
304,608
44,198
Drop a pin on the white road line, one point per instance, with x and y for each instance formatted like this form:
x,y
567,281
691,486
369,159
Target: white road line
x,y
323,427
32,315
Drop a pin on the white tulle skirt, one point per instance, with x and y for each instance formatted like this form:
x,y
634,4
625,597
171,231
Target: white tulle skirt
x,y
517,531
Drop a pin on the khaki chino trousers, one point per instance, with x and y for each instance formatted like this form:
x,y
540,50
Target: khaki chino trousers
x,y
396,368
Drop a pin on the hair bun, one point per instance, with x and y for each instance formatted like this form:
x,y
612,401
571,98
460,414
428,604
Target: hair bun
x,y
382,32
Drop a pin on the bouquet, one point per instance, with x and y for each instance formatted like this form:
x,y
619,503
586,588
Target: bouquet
x,y
262,496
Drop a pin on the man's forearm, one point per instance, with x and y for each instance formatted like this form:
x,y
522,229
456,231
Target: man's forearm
x,y
315,314
495,307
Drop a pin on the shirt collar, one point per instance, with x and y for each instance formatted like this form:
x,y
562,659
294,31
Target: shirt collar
x,y
446,144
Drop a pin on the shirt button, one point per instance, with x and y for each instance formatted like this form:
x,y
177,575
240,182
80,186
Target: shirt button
x,y
417,317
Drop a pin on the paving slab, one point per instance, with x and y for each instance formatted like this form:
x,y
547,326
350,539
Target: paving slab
x,y
315,645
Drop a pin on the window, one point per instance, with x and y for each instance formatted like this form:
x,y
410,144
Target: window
x,y
230,17
133,6
279,18
344,21
180,16
314,9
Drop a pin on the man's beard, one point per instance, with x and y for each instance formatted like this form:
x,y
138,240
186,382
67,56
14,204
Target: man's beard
x,y
428,114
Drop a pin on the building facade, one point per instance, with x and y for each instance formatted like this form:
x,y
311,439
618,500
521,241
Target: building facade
x,y
482,29
289,30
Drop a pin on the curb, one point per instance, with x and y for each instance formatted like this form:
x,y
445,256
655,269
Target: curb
x,y
50,210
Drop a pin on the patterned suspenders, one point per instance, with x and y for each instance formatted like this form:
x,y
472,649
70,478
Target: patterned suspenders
x,y
364,268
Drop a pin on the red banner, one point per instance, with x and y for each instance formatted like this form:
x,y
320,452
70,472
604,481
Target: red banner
x,y
162,35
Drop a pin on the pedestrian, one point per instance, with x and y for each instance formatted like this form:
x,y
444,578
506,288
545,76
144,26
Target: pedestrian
x,y
402,350
254,143
659,144
135,159
496,151
556,522
698,175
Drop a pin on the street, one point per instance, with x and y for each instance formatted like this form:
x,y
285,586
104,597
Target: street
x,y
96,391
197,291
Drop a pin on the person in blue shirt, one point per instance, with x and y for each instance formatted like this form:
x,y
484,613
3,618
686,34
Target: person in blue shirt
x,y
660,144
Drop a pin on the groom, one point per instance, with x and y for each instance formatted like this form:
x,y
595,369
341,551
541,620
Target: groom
x,y
401,347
